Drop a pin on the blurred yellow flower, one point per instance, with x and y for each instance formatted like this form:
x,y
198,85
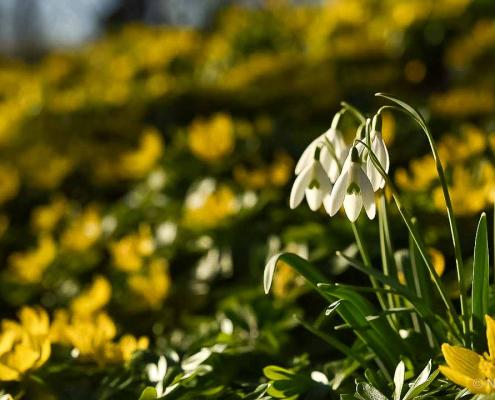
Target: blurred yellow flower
x,y
44,167
209,205
93,338
29,266
422,174
83,231
137,163
153,286
9,183
212,139
463,102
128,252
45,218
276,174
24,345
92,299
468,196
469,369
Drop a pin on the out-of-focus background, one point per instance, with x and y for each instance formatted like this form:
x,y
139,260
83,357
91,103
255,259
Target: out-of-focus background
x,y
147,150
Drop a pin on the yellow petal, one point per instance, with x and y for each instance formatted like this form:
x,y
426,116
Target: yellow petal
x,y
8,374
475,386
464,361
490,335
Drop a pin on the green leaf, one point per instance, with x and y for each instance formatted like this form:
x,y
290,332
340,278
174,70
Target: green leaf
x,y
275,373
303,267
410,110
365,391
148,394
481,272
423,380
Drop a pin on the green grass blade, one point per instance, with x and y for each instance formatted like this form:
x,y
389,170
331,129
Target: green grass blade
x,y
479,294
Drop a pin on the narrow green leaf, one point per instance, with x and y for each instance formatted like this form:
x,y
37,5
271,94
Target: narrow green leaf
x,y
367,392
275,373
386,250
148,394
481,272
303,267
416,115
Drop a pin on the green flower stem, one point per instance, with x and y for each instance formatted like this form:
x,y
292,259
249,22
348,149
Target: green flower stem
x,y
417,241
450,213
367,263
354,111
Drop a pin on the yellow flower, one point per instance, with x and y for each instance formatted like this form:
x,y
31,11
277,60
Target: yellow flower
x,y
137,163
93,338
9,183
24,345
83,232
208,207
213,139
94,298
45,218
128,252
276,174
29,266
153,287
469,369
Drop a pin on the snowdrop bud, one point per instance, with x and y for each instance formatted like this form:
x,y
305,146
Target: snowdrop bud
x,y
380,150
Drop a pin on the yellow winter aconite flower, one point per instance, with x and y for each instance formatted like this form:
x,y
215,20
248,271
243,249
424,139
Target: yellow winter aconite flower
x,y
422,174
83,232
93,338
469,369
24,345
137,163
128,252
276,174
212,139
153,286
29,266
45,218
9,183
93,298
209,206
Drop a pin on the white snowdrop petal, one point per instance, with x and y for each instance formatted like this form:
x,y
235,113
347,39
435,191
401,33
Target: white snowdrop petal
x,y
334,201
374,175
300,184
352,206
368,195
326,158
307,155
331,134
314,196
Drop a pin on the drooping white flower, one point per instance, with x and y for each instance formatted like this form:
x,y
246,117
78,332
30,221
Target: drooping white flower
x,y
312,182
333,152
380,150
156,374
353,190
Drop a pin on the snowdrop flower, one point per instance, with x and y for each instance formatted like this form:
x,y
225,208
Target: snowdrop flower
x,y
156,374
312,182
333,152
353,190
380,150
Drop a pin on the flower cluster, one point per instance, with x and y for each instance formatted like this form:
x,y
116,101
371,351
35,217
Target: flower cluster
x,y
333,174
